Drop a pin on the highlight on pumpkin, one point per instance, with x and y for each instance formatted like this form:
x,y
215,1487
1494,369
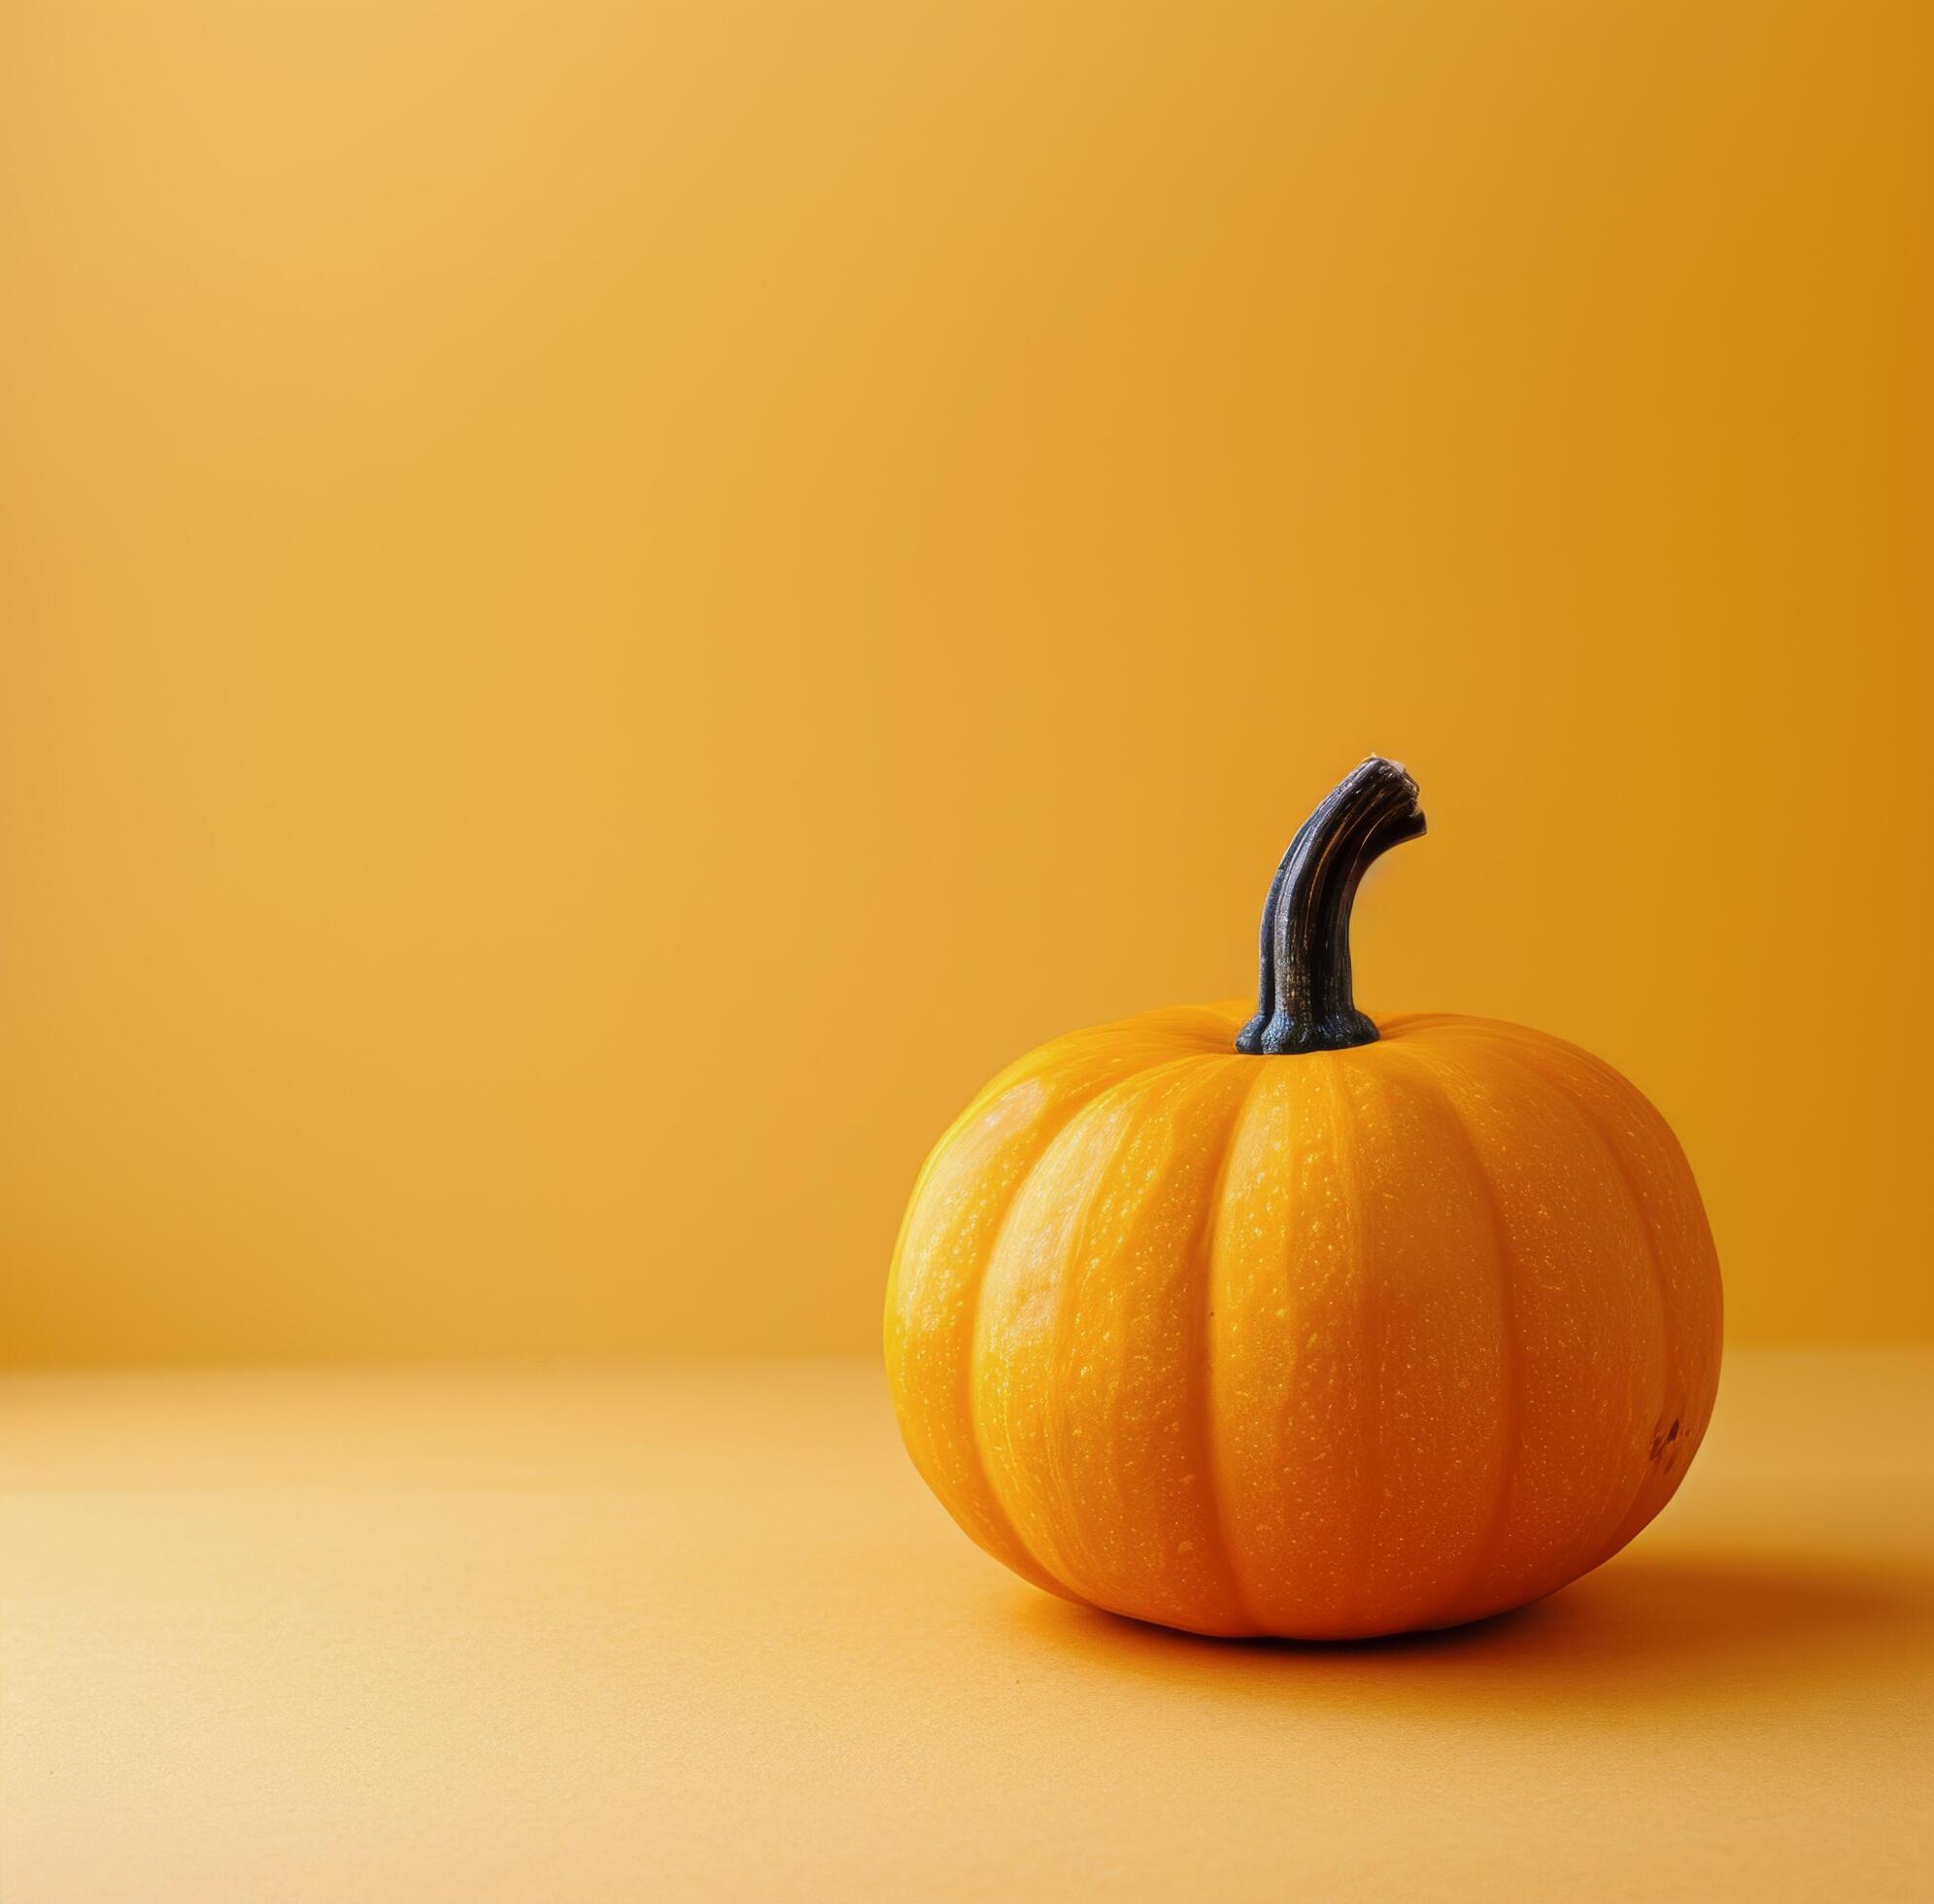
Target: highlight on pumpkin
x,y
1301,1322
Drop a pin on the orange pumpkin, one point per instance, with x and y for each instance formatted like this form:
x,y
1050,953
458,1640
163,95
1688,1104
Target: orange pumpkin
x,y
1311,1324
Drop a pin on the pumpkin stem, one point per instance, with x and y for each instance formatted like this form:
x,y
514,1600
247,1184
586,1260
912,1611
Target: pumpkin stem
x,y
1303,1003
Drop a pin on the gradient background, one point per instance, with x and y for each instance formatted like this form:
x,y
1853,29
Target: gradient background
x,y
604,609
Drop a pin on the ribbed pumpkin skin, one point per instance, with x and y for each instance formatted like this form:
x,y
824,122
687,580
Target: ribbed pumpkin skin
x,y
1325,1345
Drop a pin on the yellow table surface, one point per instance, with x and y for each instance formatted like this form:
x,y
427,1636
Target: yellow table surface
x,y
695,1633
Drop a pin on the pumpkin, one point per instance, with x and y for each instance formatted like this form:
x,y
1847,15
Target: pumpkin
x,y
1303,1322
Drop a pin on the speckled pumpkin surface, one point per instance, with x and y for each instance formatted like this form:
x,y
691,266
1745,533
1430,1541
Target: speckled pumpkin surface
x,y
1341,1338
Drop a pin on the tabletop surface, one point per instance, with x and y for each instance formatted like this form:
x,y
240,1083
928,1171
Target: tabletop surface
x,y
670,1633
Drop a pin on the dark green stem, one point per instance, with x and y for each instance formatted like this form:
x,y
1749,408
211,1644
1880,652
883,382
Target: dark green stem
x,y
1303,1003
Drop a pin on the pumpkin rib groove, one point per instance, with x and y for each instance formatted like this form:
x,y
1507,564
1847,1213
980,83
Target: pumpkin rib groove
x,y
1369,1332
1182,1091
1508,1041
1669,1358
1194,1267
1092,1105
991,1506
998,1508
1211,1438
1490,1543
1073,1562
1678,1391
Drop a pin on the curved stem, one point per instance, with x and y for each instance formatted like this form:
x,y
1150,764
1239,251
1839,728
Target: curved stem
x,y
1304,1002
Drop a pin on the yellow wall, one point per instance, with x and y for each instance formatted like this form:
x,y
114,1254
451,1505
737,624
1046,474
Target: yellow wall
x,y
606,607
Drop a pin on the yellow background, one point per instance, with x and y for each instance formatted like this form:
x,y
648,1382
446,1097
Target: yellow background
x,y
605,608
